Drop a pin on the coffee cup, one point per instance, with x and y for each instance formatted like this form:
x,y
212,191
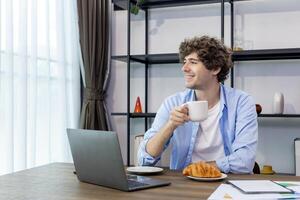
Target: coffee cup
x,y
198,110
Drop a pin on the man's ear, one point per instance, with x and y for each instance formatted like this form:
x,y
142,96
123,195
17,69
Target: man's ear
x,y
216,71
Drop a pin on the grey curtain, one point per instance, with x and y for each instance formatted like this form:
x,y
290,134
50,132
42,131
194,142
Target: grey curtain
x,y
93,20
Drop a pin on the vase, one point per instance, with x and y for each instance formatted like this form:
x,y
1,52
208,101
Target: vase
x,y
278,103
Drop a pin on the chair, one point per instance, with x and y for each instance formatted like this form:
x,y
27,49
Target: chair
x,y
165,158
256,169
137,141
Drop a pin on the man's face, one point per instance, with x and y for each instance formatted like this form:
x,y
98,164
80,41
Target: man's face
x,y
195,73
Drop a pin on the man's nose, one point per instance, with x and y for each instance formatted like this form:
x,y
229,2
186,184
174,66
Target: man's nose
x,y
185,67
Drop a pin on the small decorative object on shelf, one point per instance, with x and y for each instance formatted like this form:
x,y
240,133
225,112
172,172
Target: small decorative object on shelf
x,y
136,8
238,40
258,108
278,103
138,106
267,169
238,49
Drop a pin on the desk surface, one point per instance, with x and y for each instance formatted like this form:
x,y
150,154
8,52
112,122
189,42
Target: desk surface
x,y
57,181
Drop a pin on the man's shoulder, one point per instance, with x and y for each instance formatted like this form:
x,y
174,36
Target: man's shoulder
x,y
235,96
233,92
238,102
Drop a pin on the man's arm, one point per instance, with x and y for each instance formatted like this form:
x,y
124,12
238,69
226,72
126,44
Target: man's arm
x,y
243,148
178,116
213,163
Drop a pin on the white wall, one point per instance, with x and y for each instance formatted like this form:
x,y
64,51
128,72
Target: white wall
x,y
261,24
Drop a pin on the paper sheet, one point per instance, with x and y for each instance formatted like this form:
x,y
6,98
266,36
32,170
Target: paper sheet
x,y
228,192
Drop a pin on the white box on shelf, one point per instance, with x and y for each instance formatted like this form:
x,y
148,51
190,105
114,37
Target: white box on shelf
x,y
297,156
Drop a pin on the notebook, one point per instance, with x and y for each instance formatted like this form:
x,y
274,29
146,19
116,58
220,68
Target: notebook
x,y
259,186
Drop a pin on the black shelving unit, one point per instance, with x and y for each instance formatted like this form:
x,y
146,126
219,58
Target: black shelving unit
x,y
148,59
153,58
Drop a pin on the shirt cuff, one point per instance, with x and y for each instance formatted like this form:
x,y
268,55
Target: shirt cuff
x,y
144,157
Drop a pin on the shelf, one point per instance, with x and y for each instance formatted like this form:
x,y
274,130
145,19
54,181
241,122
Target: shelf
x,y
120,58
266,54
120,114
280,115
142,115
247,55
151,59
135,115
122,4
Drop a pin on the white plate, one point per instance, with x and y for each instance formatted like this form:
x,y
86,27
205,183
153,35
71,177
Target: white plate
x,y
223,176
144,170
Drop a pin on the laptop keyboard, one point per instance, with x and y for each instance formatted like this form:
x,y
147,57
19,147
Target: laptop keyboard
x,y
133,184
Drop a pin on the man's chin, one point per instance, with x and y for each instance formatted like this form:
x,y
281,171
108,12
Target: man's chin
x,y
192,86
189,86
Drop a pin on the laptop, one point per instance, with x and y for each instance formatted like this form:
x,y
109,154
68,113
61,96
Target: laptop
x,y
98,160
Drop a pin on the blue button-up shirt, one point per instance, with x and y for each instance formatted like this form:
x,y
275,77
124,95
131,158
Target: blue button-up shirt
x,y
238,127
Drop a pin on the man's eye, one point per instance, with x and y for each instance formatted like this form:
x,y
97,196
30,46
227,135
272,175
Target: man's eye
x,y
193,62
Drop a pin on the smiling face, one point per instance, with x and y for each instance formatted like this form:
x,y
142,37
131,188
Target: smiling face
x,y
210,51
196,75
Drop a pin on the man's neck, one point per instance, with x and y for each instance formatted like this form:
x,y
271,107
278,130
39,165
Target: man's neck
x,y
210,94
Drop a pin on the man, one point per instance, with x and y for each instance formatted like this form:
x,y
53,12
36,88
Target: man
x,y
227,138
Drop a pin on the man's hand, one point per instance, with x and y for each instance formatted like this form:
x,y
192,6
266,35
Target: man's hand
x,y
178,116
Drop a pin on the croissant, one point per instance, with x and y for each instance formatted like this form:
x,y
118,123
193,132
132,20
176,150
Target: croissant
x,y
202,169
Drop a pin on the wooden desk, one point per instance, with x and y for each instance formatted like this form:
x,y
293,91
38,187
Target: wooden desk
x,y
57,181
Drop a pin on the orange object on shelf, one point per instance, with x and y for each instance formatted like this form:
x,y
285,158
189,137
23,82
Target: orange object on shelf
x,y
138,106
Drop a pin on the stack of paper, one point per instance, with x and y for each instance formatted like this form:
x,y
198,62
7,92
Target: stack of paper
x,y
227,192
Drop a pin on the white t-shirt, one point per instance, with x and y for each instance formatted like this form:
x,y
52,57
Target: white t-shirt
x,y
209,144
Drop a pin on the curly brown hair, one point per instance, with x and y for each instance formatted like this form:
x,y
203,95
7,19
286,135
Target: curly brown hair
x,y
211,52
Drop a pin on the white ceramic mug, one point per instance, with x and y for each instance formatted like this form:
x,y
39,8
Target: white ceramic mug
x,y
198,110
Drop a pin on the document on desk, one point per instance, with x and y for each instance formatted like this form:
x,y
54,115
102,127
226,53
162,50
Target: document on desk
x,y
228,192
259,186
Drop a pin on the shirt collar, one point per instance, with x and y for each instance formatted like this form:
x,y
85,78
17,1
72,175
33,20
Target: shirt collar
x,y
223,100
